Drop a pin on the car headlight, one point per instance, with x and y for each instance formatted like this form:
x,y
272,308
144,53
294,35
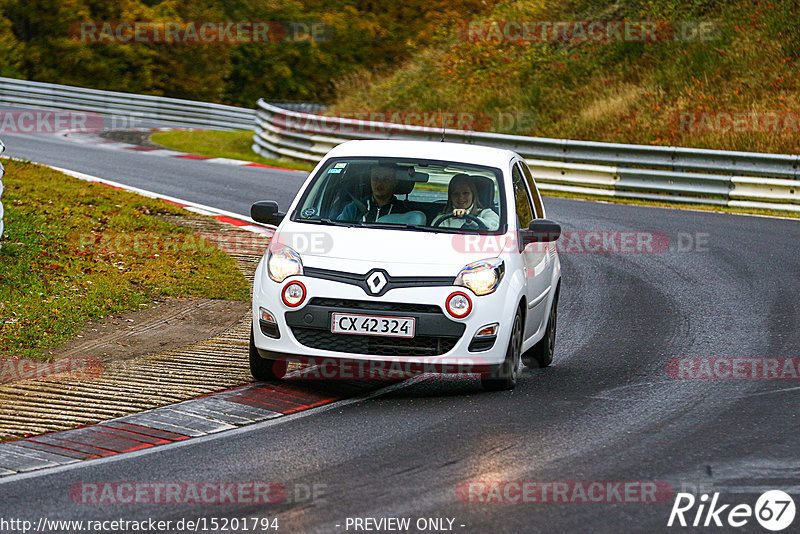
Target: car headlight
x,y
482,277
282,263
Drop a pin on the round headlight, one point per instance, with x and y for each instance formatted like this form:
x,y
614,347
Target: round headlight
x,y
482,277
294,294
459,305
282,263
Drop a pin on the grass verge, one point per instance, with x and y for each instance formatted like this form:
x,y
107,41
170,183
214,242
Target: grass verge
x,y
220,144
74,251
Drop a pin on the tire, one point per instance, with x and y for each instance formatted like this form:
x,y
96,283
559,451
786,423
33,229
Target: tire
x,y
264,369
541,354
506,376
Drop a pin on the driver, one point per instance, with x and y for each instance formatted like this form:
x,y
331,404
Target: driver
x,y
462,199
383,180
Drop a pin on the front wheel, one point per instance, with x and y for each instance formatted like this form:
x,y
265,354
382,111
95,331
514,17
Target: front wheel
x,y
264,369
506,376
541,354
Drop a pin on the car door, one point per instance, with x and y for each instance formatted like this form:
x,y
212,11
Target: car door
x,y
536,257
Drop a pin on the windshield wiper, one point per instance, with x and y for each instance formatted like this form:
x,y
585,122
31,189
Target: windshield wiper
x,y
332,222
403,226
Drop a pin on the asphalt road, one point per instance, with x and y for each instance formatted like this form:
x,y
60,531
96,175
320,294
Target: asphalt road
x,y
605,411
226,187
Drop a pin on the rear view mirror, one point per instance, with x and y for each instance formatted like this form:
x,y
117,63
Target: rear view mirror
x,y
266,212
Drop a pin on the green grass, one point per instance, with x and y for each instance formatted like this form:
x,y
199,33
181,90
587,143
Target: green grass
x,y
74,251
219,144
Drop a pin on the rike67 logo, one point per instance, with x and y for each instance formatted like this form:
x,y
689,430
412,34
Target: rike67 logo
x,y
774,510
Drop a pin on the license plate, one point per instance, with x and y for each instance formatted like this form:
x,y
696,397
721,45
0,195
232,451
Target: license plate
x,y
372,325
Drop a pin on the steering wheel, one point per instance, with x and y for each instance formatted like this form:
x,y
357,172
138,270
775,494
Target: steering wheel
x,y
470,218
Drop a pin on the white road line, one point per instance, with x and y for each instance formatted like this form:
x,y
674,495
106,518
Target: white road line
x,y
198,208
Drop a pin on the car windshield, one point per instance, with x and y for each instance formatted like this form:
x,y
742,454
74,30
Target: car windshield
x,y
407,194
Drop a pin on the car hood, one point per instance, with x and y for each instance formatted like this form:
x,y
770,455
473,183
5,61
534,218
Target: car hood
x,y
400,252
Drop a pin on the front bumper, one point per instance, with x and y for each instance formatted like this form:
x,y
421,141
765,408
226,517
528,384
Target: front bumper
x,y
441,342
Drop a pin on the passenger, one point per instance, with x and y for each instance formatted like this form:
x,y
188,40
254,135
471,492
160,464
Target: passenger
x,y
383,180
462,199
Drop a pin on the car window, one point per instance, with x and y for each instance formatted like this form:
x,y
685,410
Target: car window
x,y
534,190
422,195
521,200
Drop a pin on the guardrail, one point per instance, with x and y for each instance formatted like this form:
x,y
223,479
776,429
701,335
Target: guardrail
x,y
675,174
141,107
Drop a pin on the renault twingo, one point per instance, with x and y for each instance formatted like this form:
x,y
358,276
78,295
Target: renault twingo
x,y
411,255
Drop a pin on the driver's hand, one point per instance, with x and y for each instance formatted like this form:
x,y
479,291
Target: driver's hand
x,y
459,212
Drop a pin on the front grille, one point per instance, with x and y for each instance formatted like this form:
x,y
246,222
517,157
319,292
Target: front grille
x,y
392,282
382,346
365,305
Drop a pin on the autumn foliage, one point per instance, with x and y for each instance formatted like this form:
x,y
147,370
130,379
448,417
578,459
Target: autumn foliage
x,y
38,42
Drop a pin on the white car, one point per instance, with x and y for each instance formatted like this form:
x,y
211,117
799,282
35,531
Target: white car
x,y
419,256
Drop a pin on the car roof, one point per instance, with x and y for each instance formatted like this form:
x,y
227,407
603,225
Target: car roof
x,y
457,152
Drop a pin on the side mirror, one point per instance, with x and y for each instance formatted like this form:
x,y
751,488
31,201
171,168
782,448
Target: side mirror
x,y
266,212
541,231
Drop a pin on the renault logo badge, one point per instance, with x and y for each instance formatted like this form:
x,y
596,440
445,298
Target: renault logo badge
x,y
376,282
